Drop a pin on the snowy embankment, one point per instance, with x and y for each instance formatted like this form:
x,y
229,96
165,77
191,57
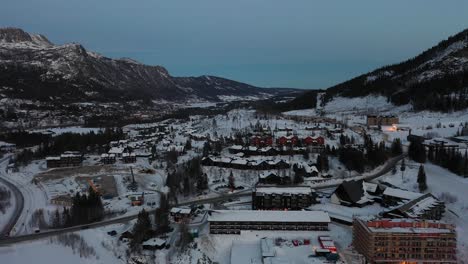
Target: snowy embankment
x,y
7,205
90,246
448,187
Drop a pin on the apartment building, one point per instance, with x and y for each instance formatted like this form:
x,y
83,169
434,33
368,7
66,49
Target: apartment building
x,y
405,241
282,197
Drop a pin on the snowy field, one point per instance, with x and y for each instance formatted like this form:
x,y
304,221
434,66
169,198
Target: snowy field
x,y
60,130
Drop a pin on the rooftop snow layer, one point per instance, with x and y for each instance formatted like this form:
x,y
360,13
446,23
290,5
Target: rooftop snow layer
x,y
270,216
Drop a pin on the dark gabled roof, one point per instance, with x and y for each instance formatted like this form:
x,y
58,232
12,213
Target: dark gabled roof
x,y
350,191
403,209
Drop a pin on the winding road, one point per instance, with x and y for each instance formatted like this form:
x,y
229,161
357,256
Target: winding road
x,y
19,199
387,167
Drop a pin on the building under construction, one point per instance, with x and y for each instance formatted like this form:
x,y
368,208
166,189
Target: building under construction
x,y
405,241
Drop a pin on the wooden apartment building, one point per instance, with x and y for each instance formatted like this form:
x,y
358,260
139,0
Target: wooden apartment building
x,y
405,241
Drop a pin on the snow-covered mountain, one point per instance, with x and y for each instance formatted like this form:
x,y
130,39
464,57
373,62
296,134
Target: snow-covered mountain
x,y
34,68
437,79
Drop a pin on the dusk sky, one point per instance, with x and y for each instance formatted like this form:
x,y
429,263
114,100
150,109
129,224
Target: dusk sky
x,y
270,43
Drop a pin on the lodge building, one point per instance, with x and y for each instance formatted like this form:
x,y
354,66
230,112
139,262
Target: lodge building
x,y
234,221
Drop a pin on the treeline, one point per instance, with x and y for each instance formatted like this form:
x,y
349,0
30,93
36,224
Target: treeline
x,y
449,158
375,154
85,209
24,139
187,178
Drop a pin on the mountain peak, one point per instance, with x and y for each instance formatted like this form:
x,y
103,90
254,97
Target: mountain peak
x,y
16,35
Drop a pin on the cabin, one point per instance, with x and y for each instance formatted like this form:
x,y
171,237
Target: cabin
x,y
351,194
180,214
273,178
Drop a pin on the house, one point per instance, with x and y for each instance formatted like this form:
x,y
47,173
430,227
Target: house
x,y
180,214
281,198
235,149
351,193
288,140
269,177
234,221
424,207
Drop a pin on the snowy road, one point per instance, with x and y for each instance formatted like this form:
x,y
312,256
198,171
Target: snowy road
x,y
19,199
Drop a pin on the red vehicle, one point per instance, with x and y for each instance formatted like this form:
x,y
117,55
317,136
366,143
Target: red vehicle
x,y
327,243
295,243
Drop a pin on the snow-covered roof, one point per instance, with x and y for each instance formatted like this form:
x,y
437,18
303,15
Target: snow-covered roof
x,y
370,187
270,216
53,158
116,150
236,147
154,242
239,161
407,195
177,210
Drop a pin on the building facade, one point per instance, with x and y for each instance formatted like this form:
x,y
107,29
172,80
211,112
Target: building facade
x,y
234,221
282,198
375,120
405,241
67,159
